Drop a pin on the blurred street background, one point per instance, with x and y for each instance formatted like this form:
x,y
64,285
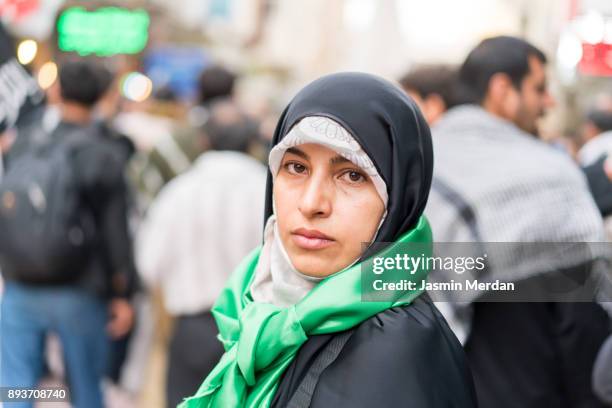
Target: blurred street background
x,y
159,102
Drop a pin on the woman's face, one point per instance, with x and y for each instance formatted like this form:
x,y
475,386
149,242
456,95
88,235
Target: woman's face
x,y
326,208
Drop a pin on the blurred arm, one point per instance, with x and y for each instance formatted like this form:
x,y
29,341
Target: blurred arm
x,y
107,193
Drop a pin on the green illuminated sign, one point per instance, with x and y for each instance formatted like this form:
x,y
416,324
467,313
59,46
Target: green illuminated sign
x,y
105,31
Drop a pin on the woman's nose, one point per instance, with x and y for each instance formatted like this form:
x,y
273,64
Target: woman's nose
x,y
316,198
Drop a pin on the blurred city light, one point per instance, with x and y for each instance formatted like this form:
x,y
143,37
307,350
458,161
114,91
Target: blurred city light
x,y
569,55
591,27
431,33
105,31
47,74
26,51
570,50
359,14
136,87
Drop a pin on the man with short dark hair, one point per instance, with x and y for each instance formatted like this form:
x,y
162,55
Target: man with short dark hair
x,y
496,182
215,82
82,84
433,88
506,76
89,300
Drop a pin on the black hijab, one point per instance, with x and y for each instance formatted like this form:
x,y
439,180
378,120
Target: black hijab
x,y
390,129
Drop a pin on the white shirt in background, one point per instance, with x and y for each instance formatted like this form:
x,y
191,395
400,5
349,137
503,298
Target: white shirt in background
x,y
199,228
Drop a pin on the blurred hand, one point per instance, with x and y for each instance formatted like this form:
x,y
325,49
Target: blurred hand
x,y
121,318
608,168
6,140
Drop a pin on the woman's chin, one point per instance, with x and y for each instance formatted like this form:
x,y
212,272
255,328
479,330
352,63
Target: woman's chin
x,y
313,266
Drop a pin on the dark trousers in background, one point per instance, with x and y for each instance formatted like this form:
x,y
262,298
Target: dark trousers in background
x,y
536,355
194,352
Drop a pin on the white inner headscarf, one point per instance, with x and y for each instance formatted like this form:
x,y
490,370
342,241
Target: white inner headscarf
x,y
276,279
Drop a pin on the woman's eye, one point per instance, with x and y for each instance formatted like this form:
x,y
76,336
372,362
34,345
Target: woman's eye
x,y
295,168
353,176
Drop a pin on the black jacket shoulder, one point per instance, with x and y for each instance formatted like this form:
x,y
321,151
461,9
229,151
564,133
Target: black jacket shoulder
x,y
402,357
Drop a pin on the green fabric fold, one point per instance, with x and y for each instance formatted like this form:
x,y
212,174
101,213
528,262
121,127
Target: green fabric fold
x,y
261,340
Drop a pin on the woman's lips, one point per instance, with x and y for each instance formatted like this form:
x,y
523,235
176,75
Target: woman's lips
x,y
311,239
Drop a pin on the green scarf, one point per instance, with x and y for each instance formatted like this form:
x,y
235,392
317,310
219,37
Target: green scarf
x,y
261,340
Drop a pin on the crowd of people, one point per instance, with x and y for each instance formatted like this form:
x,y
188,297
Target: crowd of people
x,y
100,206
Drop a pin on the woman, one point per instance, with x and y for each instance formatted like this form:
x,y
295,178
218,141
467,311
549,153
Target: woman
x,y
351,164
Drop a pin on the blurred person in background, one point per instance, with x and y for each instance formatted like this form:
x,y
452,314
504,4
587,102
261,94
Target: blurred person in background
x,y
433,88
216,82
39,131
596,132
75,278
495,181
104,115
144,122
196,232
21,99
175,151
596,136
593,156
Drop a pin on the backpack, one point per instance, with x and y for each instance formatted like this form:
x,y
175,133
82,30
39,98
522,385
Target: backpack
x,y
46,233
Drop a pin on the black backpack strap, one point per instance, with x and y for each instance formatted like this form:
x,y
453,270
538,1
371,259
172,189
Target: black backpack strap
x,y
303,395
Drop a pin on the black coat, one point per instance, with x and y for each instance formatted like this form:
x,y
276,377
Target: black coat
x,y
536,354
403,357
